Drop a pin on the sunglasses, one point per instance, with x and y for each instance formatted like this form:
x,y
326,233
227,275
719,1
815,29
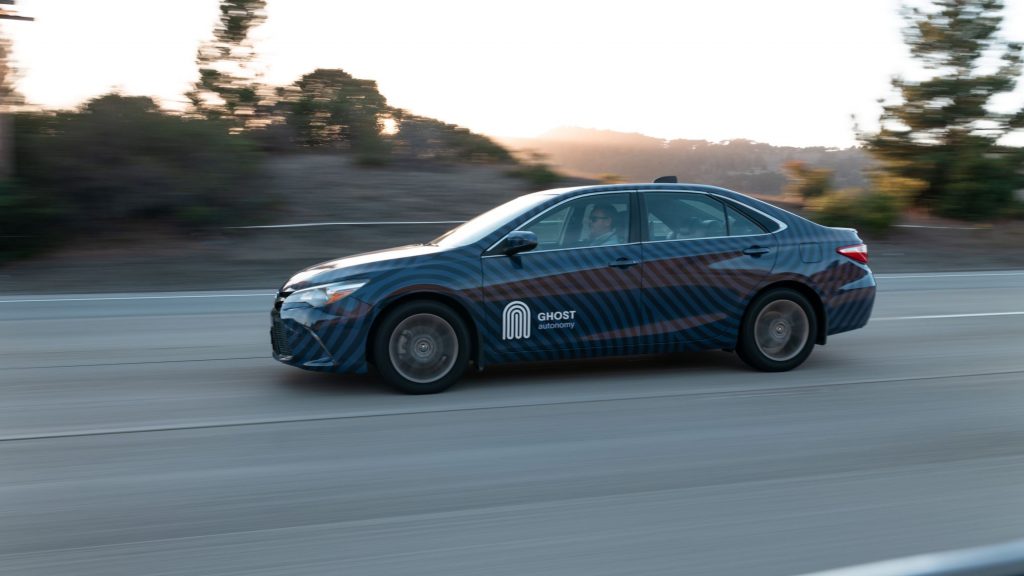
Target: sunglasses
x,y
596,218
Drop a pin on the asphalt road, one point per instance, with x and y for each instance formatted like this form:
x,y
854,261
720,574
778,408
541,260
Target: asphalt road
x,y
153,435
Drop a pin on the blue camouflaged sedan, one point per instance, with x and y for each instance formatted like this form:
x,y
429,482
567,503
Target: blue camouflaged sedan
x,y
582,272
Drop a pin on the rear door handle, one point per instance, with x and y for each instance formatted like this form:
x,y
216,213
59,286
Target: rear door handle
x,y
623,263
757,251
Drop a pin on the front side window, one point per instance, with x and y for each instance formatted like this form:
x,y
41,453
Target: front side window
x,y
475,229
593,220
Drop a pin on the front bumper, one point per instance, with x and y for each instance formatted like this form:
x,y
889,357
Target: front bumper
x,y
331,339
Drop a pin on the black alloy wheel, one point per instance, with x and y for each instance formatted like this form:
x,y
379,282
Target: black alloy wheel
x,y
778,331
421,347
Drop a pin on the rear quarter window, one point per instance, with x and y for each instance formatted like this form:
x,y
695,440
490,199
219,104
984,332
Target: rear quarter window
x,y
767,224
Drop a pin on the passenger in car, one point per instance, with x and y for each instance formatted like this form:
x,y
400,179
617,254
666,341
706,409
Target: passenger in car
x,y
712,228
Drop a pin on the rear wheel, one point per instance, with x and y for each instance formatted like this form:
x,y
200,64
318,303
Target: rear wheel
x,y
421,347
778,331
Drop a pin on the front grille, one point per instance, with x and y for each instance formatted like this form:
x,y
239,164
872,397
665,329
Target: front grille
x,y
279,338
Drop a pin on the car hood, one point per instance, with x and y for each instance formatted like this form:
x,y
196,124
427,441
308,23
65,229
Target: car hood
x,y
356,265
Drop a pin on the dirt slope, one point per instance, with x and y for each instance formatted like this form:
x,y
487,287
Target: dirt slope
x,y
328,188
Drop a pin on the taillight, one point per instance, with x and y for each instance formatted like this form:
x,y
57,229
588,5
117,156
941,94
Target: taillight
x,y
857,252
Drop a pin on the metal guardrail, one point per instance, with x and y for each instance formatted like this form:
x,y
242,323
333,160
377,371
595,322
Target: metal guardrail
x,y
995,560
369,223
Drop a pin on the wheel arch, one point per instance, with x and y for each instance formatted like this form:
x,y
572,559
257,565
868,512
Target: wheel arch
x,y
812,296
452,302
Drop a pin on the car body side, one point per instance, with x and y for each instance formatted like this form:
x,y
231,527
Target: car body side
x,y
714,284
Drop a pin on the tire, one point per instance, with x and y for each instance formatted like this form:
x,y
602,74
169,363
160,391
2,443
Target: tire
x,y
421,347
778,331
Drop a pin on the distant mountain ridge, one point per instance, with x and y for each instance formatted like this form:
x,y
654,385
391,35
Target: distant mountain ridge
x,y
742,165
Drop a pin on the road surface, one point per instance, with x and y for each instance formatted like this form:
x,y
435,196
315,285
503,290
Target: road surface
x,y
152,434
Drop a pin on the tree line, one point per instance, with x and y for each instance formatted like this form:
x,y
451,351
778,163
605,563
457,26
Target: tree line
x,y
327,108
120,162
120,159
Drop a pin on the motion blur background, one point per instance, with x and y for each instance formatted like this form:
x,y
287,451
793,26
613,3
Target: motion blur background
x,y
133,129
165,166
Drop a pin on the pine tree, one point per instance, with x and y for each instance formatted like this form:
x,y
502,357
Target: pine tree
x,y
227,86
942,130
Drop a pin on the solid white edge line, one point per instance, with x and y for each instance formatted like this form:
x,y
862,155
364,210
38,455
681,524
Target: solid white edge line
x,y
946,275
102,298
940,316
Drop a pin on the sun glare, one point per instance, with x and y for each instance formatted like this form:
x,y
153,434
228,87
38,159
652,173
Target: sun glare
x,y
795,82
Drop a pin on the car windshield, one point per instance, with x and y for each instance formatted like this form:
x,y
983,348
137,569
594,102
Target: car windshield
x,y
475,229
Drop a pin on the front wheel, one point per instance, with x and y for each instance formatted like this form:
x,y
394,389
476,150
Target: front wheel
x,y
778,331
421,347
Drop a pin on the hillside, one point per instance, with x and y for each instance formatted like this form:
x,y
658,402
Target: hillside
x,y
331,188
742,165
314,188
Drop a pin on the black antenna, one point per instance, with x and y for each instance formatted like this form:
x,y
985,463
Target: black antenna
x,y
666,180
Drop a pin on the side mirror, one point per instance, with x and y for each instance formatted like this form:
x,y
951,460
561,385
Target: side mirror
x,y
518,241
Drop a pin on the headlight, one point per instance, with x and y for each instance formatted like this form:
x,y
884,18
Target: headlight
x,y
320,296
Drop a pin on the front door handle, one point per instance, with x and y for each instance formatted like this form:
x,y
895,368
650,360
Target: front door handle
x,y
623,263
756,251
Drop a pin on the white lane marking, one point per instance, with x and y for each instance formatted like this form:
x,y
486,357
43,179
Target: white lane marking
x,y
312,224
940,316
947,275
100,298
472,406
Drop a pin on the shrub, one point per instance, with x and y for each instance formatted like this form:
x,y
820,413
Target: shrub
x,y
870,211
538,174
874,210
28,223
806,182
980,186
422,138
120,159
1014,210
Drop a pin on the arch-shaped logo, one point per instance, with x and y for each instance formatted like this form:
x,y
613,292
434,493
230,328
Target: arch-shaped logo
x,y
515,321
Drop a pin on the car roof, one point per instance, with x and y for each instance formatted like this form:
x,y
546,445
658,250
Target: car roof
x,y
681,186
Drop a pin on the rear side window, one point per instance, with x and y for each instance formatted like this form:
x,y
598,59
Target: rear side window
x,y
683,215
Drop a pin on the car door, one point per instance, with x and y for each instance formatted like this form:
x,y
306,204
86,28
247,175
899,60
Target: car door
x,y
578,290
703,259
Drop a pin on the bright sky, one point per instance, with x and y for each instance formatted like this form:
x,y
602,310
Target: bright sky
x,y
787,72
